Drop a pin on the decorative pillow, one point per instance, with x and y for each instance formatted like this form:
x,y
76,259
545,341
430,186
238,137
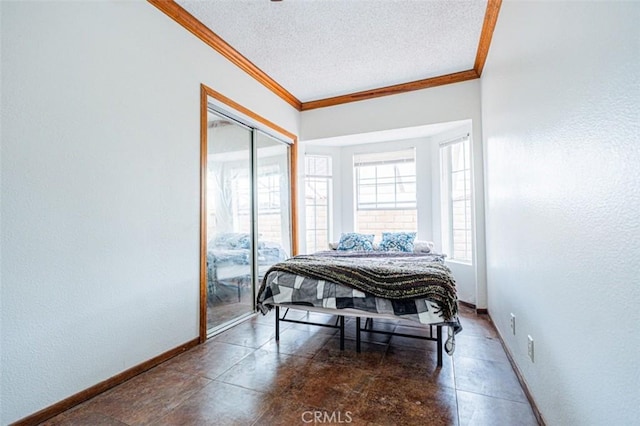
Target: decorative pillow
x,y
397,241
229,240
234,241
244,242
355,241
420,246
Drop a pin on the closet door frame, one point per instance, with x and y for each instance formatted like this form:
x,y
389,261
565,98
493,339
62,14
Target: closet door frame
x,y
210,98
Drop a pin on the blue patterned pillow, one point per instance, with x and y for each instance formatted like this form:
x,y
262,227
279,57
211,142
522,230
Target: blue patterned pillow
x,y
397,241
234,241
229,240
355,241
244,242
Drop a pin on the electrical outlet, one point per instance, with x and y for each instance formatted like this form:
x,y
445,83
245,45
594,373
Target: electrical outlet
x,y
530,347
513,324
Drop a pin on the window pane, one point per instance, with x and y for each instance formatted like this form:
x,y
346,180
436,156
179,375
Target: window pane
x,y
458,185
457,157
386,192
317,202
456,178
406,196
407,169
317,165
386,180
386,171
367,172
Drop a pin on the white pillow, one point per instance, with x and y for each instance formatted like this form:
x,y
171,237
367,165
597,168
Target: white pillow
x,y
420,246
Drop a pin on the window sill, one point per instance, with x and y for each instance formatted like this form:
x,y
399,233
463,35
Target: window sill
x,y
459,262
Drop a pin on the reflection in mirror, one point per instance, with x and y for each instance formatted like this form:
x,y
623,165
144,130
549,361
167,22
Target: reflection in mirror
x,y
248,215
274,214
229,254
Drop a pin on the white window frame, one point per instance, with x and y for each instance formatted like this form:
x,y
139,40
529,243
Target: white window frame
x,y
269,189
447,200
328,181
388,205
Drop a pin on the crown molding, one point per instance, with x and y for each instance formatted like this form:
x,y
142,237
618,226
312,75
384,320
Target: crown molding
x,y
489,24
193,25
392,90
176,12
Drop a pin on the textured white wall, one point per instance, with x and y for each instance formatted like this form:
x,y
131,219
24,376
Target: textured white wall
x,y
561,122
442,104
100,190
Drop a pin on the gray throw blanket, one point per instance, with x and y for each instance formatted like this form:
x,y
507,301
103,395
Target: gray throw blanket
x,y
392,277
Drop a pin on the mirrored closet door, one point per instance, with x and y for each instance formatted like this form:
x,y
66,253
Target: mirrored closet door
x,y
274,219
248,215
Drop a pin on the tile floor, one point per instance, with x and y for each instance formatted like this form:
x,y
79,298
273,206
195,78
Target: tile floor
x,y
243,377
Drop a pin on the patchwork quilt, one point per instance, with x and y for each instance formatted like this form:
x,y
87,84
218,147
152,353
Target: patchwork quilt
x,y
283,287
388,276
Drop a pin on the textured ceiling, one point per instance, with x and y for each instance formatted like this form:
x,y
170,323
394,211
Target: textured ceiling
x,y
318,49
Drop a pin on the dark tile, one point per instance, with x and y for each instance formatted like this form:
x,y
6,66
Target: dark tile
x,y
310,328
480,410
298,342
480,347
247,334
266,319
82,417
226,310
264,371
368,336
209,359
270,317
465,310
369,358
261,382
325,385
490,378
300,315
477,325
427,345
218,404
407,402
285,413
407,363
148,396
318,318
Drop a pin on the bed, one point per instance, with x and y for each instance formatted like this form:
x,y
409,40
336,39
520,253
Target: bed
x,y
229,261
416,287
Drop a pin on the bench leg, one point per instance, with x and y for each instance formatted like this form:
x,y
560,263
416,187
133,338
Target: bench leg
x,y
439,343
341,332
358,324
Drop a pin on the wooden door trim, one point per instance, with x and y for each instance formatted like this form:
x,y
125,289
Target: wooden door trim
x,y
205,93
